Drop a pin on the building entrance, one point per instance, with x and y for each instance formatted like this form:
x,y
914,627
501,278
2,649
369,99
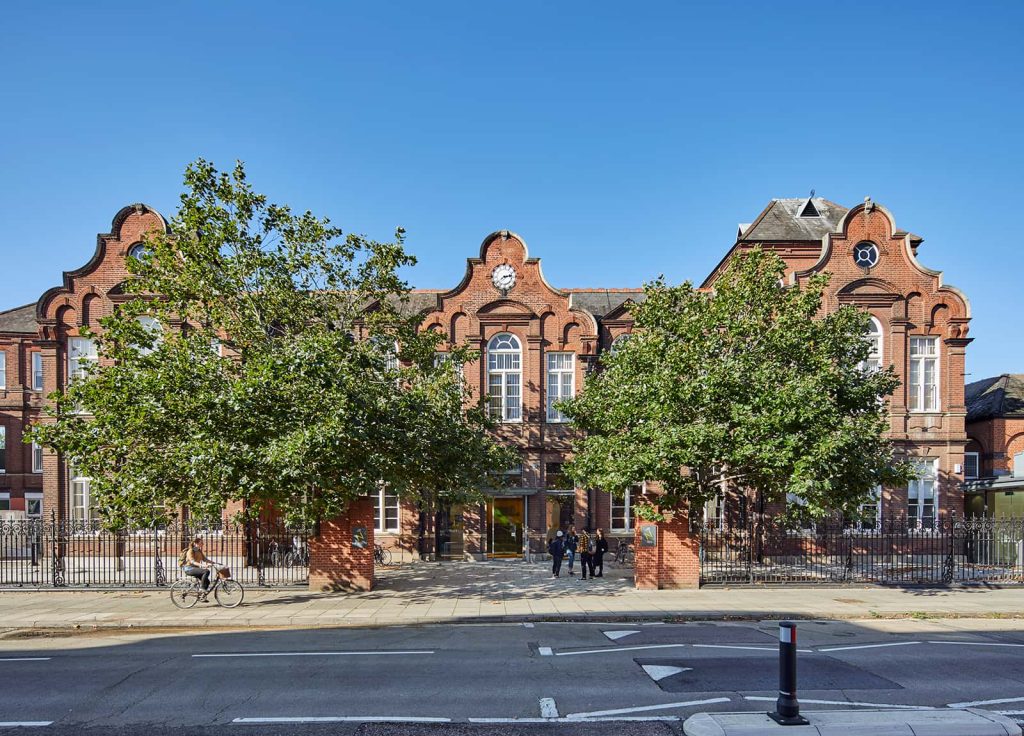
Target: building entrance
x,y
451,532
505,518
560,510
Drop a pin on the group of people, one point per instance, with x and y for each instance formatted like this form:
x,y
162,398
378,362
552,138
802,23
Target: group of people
x,y
590,547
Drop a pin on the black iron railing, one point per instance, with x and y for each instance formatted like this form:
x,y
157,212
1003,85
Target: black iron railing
x,y
895,551
60,553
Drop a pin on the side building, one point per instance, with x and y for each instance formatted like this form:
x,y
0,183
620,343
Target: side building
x,y
994,466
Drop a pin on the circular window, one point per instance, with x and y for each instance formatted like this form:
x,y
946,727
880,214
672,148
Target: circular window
x,y
138,251
865,255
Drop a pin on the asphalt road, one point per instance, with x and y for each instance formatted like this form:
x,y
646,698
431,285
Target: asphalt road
x,y
490,679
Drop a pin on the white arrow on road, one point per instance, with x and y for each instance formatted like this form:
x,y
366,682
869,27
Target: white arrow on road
x,y
616,635
659,672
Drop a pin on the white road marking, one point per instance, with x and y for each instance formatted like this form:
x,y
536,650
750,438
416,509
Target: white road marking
x,y
25,659
569,719
544,651
645,708
659,672
1008,712
23,724
975,703
841,702
527,626
616,635
870,646
977,643
344,719
548,709
620,649
755,649
307,654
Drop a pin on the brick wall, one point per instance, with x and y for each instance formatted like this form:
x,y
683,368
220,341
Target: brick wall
x,y
675,560
334,564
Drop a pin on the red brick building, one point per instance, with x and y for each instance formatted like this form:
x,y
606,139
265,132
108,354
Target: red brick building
x,y
994,467
537,343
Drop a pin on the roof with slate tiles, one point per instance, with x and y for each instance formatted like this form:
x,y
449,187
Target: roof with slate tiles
x,y
999,396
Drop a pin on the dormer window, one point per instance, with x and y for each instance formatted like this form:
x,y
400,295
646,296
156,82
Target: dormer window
x,y
809,210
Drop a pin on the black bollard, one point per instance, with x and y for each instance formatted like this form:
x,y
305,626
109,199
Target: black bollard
x,y
787,709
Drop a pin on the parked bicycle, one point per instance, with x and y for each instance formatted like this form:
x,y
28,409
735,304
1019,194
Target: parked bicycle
x,y
187,590
622,551
380,555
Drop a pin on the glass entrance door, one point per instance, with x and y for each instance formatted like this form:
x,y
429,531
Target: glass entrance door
x,y
451,528
506,521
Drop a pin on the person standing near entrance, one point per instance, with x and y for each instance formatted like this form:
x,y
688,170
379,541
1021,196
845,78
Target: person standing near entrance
x,y
571,541
601,545
586,548
556,548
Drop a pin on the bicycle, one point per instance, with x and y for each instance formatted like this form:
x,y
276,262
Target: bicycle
x,y
186,591
621,551
380,555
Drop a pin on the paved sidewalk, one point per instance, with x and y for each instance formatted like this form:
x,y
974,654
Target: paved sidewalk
x,y
501,591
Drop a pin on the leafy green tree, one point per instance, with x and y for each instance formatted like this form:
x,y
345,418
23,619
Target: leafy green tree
x,y
746,386
241,371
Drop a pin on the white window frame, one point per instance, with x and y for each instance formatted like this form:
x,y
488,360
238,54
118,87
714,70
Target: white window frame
x,y
81,351
3,449
1018,465
37,458
561,382
873,507
382,503
82,512
5,501
977,465
37,371
31,496
714,510
928,470
505,378
3,369
626,505
153,326
918,362
874,338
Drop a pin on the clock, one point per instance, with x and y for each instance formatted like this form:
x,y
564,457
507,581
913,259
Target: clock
x,y
503,277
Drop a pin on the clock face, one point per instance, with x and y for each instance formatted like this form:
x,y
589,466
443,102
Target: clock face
x,y
503,277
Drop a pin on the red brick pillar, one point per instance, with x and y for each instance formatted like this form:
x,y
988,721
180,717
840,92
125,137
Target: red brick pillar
x,y
673,561
334,564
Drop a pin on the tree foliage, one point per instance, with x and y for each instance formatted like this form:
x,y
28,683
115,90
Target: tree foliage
x,y
746,386
258,385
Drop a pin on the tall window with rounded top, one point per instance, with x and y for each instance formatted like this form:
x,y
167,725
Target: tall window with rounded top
x,y
618,343
874,338
505,378
81,354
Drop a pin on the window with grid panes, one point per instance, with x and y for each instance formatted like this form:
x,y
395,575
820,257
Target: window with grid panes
x,y
81,354
3,369
3,449
504,378
385,511
37,371
622,508
971,465
870,516
561,379
924,374
555,479
874,338
922,494
37,458
81,501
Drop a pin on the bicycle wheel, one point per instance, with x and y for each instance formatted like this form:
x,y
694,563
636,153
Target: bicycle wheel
x,y
385,556
184,594
229,593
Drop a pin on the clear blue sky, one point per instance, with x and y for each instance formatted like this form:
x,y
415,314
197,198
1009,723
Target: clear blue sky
x,y
622,140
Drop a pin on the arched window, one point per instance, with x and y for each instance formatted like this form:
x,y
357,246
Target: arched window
x,y
154,328
504,378
138,251
390,349
874,338
618,343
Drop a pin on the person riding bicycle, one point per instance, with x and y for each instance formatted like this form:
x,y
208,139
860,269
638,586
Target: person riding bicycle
x,y
198,565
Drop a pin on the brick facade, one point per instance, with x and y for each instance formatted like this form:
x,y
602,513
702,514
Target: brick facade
x,y
335,563
907,299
